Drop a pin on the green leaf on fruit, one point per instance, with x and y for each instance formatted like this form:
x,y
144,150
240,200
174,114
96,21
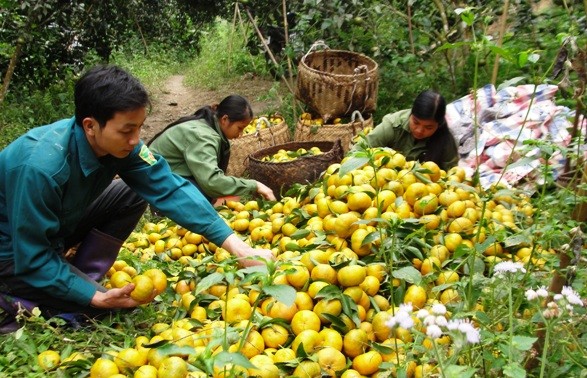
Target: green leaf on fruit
x,y
228,359
408,274
283,293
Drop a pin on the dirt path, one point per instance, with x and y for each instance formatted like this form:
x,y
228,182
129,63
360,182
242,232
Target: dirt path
x,y
174,100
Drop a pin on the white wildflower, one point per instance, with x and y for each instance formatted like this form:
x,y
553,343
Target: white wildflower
x,y
569,307
508,267
542,292
401,315
407,323
433,331
423,313
571,296
473,336
402,318
438,309
465,326
391,322
469,330
531,294
441,321
429,320
557,297
406,307
453,325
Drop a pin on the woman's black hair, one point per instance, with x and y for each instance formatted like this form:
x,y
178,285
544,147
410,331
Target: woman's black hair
x,y
236,107
430,105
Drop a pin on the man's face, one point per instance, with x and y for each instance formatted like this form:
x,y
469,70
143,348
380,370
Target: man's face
x,y
120,135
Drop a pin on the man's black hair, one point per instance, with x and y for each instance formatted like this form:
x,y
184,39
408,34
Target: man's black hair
x,y
105,90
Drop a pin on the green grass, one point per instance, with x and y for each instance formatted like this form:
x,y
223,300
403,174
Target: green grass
x,y
223,57
22,111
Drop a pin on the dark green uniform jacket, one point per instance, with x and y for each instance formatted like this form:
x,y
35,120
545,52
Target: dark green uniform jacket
x,y
394,132
196,150
50,175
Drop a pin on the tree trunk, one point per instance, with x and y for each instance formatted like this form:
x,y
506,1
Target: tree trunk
x,y
11,67
580,211
268,50
410,32
502,28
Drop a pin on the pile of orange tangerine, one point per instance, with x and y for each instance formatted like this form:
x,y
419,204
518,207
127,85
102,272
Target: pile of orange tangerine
x,y
328,242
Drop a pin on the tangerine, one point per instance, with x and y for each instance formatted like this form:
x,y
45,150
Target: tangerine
x,y
144,289
48,360
416,295
103,368
173,367
351,275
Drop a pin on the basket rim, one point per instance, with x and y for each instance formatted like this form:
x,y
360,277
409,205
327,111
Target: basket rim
x,y
257,134
316,143
337,52
365,120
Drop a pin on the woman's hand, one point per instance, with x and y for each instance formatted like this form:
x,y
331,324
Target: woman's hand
x,y
265,192
243,252
117,298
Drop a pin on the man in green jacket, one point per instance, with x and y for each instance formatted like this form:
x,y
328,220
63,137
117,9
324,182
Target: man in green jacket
x,y
58,189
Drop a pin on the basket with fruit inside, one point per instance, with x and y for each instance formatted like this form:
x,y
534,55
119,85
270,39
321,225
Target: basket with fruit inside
x,y
284,165
312,128
261,132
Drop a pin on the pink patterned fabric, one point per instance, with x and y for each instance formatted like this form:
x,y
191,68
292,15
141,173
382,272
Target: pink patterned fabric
x,y
504,120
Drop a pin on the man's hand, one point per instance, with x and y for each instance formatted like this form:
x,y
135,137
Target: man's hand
x,y
263,253
243,251
116,298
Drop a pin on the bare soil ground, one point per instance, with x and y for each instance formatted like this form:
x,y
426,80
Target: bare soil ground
x,y
174,100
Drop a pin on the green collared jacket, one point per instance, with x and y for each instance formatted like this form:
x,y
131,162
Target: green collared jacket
x,y
394,132
195,149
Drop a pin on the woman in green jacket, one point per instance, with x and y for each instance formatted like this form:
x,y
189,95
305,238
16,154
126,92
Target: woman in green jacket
x,y
197,147
420,133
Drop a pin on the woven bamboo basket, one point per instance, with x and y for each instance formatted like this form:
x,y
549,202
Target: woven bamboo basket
x,y
334,83
242,147
307,169
345,132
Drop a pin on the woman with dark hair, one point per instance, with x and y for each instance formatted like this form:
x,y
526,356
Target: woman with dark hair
x,y
197,148
420,133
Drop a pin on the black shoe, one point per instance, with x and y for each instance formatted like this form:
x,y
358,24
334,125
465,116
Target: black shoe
x,y
74,320
8,325
11,304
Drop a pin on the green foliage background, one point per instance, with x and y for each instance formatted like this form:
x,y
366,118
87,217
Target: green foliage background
x,y
427,44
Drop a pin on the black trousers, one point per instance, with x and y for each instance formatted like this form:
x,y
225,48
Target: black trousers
x,y
115,212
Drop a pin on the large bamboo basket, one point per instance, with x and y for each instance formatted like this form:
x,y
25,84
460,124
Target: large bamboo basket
x,y
307,169
242,147
345,132
334,83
